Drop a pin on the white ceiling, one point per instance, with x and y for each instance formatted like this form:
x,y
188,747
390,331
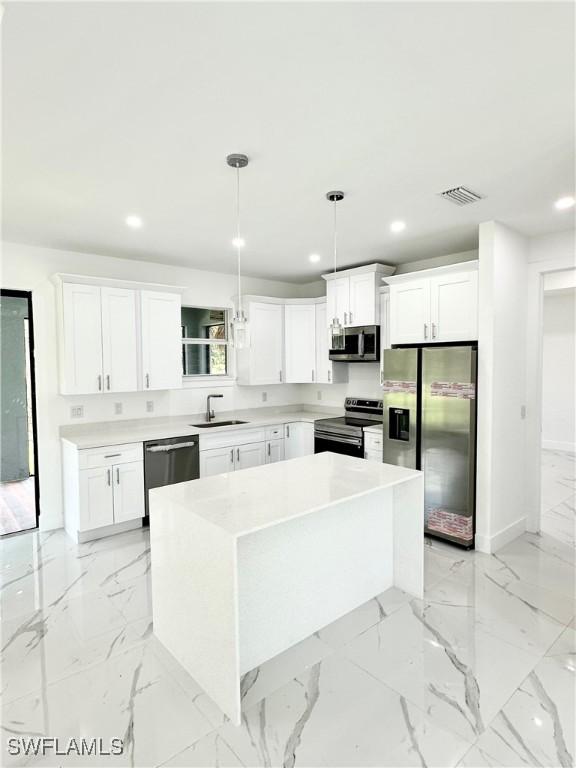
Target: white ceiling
x,y
118,108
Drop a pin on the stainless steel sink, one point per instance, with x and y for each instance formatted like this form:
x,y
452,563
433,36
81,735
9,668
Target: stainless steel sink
x,y
219,423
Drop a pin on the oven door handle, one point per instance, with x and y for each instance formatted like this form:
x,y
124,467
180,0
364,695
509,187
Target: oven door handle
x,y
339,438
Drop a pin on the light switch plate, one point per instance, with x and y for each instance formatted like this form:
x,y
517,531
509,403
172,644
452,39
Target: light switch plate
x,y
264,396
149,406
117,409
319,394
77,412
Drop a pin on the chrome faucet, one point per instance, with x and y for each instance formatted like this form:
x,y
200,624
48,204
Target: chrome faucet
x,y
209,412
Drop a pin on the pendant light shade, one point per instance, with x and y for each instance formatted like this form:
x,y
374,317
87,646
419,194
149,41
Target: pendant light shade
x,y
336,327
240,326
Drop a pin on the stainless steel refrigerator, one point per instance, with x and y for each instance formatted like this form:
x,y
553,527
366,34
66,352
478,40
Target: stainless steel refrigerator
x,y
430,424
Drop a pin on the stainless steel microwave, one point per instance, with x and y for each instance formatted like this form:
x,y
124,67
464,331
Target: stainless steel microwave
x,y
361,345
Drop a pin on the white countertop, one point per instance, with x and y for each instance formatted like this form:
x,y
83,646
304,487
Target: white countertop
x,y
375,430
99,434
244,502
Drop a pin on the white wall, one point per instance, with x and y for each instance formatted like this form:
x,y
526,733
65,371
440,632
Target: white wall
x,y
558,370
30,268
500,513
555,245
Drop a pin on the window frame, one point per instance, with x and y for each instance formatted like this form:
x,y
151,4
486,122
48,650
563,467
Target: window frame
x,y
201,379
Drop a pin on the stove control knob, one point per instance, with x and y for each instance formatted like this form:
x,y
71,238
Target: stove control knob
x,y
354,402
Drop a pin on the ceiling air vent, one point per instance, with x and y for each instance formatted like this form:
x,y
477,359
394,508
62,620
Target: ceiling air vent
x,y
460,196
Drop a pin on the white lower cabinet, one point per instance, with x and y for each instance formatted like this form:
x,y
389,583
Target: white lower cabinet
x,y
231,451
298,439
128,484
275,450
251,455
373,446
215,461
102,487
96,498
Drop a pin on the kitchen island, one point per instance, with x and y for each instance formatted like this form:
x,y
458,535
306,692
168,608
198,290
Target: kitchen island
x,y
247,564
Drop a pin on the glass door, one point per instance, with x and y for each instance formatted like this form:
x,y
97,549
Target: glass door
x,y
18,448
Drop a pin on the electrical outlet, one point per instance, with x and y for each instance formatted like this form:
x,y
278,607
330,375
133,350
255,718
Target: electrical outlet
x,y
319,394
77,412
264,396
149,406
117,409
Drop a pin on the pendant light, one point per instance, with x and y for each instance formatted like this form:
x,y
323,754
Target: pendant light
x,y
240,329
336,328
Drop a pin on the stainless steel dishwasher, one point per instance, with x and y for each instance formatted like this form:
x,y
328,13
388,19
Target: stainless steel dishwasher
x,y
169,461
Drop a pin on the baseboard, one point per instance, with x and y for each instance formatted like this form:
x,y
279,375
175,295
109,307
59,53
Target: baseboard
x,y
558,445
107,530
491,544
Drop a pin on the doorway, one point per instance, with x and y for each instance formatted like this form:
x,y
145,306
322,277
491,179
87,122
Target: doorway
x,y
558,455
19,490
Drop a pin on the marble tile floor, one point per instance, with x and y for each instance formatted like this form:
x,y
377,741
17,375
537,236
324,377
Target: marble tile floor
x,y
558,496
481,672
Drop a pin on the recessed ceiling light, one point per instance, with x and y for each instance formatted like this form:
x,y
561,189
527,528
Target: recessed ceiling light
x,y
314,257
397,226
564,202
238,242
133,221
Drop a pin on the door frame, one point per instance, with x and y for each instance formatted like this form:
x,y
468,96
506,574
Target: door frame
x,y
9,293
534,359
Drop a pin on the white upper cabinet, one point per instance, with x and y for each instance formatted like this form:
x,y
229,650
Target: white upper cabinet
x,y
300,343
323,363
119,340
363,293
352,294
263,361
81,341
327,372
161,340
338,299
410,312
454,307
114,338
439,307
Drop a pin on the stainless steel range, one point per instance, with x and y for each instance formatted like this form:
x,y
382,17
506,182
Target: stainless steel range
x,y
345,434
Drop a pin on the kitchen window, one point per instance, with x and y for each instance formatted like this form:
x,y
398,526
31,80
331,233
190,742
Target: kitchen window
x,y
205,343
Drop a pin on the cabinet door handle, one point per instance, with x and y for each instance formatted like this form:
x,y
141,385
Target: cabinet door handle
x,y
108,381
108,475
268,449
287,430
147,381
425,330
312,374
232,456
433,330
99,383
350,319
329,376
345,318
237,454
117,476
280,375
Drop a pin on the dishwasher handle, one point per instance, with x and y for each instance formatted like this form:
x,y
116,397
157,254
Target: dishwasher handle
x,y
170,447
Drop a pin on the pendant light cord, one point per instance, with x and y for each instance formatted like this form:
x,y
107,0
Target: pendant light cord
x,y
335,238
238,241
